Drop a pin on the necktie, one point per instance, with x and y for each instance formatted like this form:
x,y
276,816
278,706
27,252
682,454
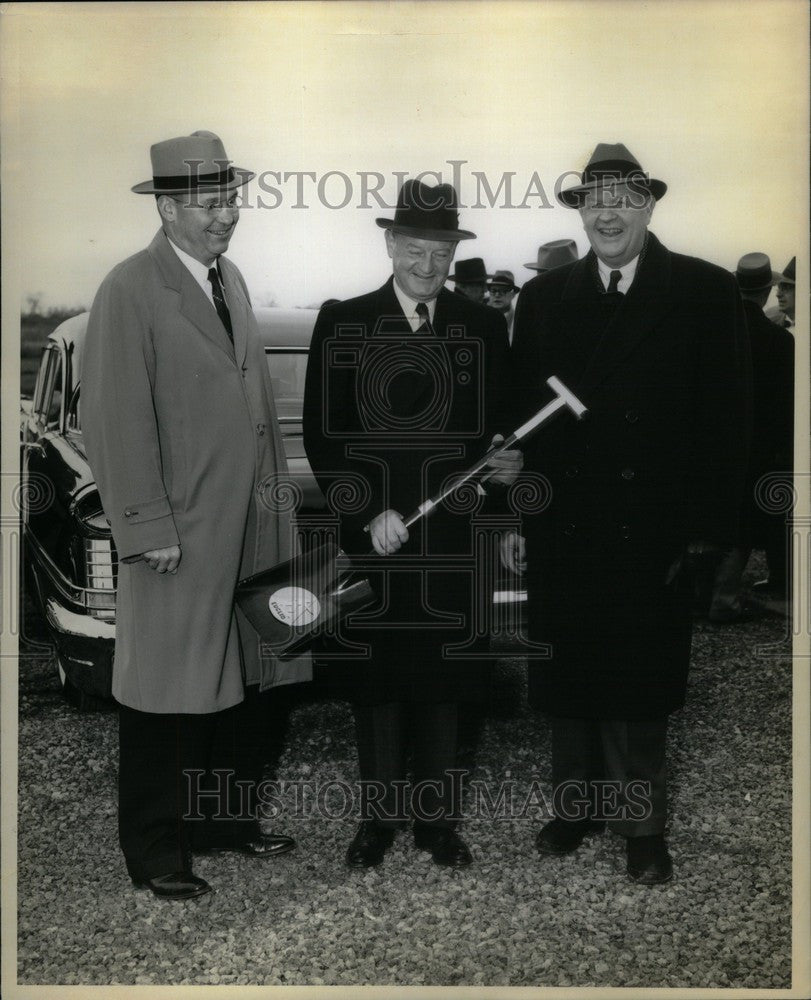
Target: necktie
x,y
219,302
425,322
613,281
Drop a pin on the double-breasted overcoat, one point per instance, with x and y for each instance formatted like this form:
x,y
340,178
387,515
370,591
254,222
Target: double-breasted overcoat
x,y
658,462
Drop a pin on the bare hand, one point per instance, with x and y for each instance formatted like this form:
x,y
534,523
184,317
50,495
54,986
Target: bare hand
x,y
388,533
507,464
163,560
514,552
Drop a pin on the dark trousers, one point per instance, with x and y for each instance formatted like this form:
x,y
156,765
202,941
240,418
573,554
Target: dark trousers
x,y
385,734
612,769
171,798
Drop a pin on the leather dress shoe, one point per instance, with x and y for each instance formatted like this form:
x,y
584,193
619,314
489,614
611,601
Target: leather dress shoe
x,y
649,862
175,885
369,845
266,845
446,846
562,836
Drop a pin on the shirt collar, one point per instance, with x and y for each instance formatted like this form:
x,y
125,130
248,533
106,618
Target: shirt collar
x,y
409,307
628,272
199,271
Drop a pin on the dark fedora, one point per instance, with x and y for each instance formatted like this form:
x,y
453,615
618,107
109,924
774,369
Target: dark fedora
x,y
790,272
754,273
611,163
554,254
504,279
470,271
427,212
193,162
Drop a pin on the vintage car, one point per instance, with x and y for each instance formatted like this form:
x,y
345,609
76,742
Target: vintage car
x,y
68,551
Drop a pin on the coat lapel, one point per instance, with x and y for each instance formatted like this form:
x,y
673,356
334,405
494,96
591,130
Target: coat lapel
x,y
642,309
194,305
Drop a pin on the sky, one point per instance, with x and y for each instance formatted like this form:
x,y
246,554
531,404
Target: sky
x,y
709,96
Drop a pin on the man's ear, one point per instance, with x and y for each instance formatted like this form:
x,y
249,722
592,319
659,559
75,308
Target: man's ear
x,y
390,243
167,208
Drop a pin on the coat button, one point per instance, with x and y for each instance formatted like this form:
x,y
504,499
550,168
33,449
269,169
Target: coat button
x,y
572,471
569,529
631,416
625,531
260,489
260,429
628,473
128,513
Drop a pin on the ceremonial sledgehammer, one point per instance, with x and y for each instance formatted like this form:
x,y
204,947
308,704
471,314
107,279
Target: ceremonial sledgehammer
x,y
295,601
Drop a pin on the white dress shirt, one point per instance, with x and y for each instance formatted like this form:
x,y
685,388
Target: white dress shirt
x,y
199,272
409,307
628,271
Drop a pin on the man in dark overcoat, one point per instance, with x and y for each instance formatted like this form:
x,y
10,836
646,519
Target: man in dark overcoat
x,y
402,392
654,344
181,433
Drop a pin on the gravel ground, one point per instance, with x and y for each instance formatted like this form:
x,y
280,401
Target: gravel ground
x,y
513,919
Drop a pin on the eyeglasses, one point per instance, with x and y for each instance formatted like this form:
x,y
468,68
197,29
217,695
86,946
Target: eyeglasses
x,y
211,207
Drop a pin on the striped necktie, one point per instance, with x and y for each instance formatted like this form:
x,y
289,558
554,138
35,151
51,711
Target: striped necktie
x,y
219,302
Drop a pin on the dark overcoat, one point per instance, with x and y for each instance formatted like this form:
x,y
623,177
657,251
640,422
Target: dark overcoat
x,y
389,416
772,416
181,434
658,462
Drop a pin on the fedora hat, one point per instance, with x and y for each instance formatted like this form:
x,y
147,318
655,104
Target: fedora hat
x,y
193,162
429,213
469,271
504,279
554,254
611,163
754,273
789,274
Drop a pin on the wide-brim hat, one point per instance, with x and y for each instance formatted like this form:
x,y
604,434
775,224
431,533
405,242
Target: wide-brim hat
x,y
188,163
470,271
504,279
556,253
790,272
611,163
754,273
429,213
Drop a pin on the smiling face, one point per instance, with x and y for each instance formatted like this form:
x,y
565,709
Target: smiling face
x,y
201,224
616,219
420,267
785,298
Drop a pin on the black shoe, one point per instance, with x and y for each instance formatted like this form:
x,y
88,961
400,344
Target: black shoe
x,y
175,885
649,862
369,845
562,836
266,845
445,845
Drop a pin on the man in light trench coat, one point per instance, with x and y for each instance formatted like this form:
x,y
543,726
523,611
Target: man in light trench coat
x,y
181,433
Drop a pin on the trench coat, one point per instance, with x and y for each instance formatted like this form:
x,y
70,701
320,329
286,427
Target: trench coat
x,y
389,443
180,430
658,462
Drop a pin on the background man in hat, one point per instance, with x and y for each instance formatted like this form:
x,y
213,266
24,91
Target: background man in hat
x,y
502,289
402,392
772,350
470,279
654,343
181,432
554,254
786,286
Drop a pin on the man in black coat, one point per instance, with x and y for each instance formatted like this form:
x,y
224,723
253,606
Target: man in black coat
x,y
772,349
654,344
402,392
